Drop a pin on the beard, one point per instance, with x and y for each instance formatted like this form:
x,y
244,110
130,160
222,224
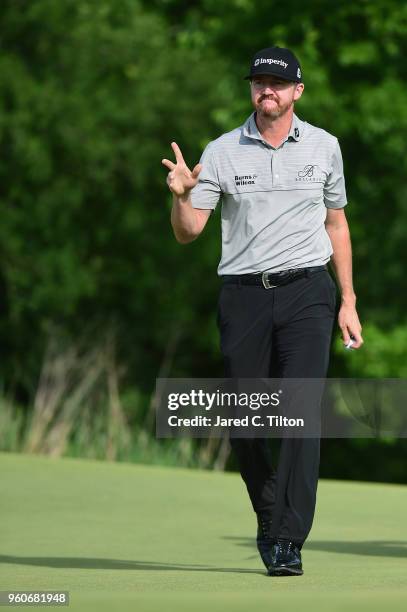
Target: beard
x,y
273,109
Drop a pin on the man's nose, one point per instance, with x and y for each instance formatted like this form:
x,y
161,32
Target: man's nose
x,y
268,87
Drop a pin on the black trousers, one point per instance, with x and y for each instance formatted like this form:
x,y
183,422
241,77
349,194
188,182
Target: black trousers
x,y
282,332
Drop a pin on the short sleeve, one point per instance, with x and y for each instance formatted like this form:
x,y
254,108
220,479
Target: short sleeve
x,y
334,188
207,191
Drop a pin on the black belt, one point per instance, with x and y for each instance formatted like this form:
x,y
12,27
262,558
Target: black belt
x,y
272,279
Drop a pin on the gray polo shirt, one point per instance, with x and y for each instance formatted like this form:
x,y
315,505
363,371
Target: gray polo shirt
x,y
274,200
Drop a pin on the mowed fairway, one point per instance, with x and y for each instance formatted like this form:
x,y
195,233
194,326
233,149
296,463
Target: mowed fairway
x,y
132,537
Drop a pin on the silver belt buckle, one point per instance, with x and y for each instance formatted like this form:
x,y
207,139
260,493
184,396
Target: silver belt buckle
x,y
265,281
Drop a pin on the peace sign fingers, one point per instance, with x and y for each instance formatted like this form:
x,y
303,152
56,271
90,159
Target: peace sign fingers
x,y
180,179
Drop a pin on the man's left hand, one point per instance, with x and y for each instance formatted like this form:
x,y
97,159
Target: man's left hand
x,y
349,323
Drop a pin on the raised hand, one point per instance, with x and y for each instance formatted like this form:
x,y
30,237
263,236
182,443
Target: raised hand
x,y
180,179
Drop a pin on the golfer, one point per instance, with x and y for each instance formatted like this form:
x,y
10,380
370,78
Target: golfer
x,y
281,184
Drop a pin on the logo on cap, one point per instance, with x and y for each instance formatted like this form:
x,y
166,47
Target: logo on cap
x,y
298,73
269,60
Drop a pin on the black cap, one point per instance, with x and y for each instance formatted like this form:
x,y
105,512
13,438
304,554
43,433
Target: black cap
x,y
277,61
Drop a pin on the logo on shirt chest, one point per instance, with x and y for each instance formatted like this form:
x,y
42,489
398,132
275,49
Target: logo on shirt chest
x,y
245,179
310,173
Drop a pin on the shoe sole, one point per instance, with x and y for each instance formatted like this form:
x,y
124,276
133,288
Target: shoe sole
x,y
285,571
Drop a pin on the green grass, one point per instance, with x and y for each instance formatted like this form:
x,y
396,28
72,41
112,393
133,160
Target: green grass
x,y
129,537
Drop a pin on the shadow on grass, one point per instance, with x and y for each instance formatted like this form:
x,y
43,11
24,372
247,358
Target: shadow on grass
x,y
117,564
377,548
373,548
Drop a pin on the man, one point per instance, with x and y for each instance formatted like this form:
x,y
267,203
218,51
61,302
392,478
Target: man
x,y
282,188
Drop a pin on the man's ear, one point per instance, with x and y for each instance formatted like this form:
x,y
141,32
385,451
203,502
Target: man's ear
x,y
299,88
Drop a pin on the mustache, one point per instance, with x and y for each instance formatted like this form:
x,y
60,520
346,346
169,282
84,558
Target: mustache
x,y
268,98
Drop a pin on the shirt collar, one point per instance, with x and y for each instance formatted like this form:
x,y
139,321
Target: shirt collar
x,y
296,128
250,129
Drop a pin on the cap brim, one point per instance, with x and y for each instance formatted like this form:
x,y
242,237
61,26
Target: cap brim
x,y
276,74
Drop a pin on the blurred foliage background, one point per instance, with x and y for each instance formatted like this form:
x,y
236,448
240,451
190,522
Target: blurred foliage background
x,y
97,297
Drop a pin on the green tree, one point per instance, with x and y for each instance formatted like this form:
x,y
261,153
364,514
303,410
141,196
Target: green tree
x,y
91,95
